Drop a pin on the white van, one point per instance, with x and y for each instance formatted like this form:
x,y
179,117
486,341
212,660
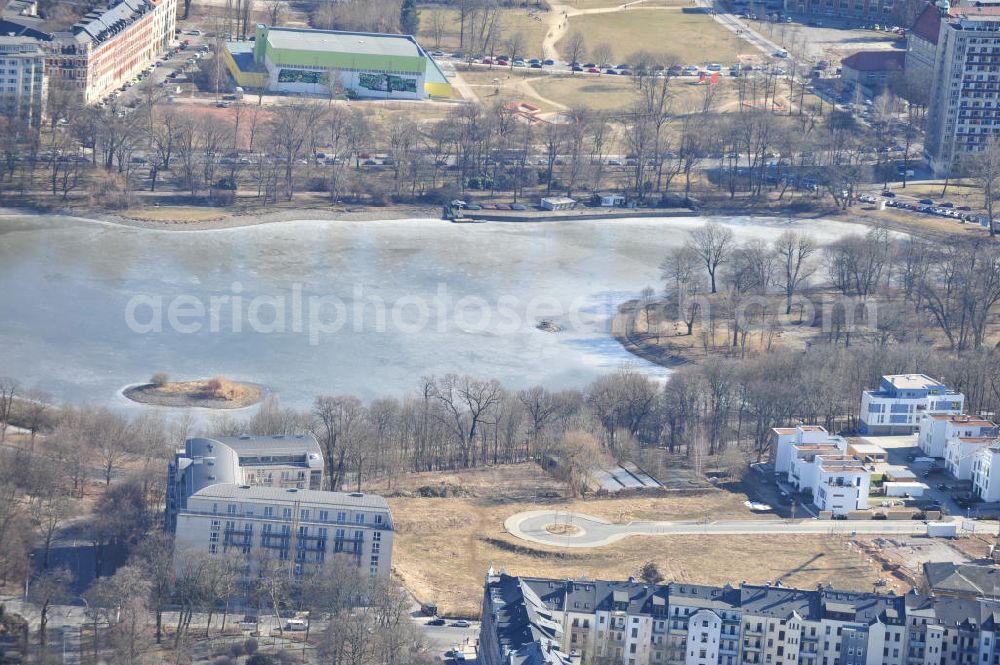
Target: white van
x,y
295,624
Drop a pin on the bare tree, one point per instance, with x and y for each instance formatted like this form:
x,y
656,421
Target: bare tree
x,y
8,391
49,588
985,171
602,54
793,250
575,48
713,245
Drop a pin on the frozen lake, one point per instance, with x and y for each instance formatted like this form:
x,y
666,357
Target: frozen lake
x,y
312,307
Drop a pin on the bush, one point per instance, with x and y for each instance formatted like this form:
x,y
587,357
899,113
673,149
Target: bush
x,y
880,516
160,379
250,646
222,660
236,650
441,195
261,659
919,516
650,573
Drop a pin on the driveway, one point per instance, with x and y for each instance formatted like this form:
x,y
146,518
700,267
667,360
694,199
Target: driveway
x,y
580,530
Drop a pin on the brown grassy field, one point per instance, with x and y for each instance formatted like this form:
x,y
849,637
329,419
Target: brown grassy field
x,y
660,31
443,547
600,4
511,21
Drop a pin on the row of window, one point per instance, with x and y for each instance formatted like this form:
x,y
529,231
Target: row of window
x,y
305,514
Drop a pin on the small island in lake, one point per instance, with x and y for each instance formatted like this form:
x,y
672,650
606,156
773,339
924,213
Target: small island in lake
x,y
214,393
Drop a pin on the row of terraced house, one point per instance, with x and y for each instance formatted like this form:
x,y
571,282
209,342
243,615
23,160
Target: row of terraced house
x,y
532,621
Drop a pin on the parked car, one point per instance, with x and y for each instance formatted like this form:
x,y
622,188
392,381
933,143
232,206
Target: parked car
x,y
549,62
461,623
436,621
887,194
518,206
536,65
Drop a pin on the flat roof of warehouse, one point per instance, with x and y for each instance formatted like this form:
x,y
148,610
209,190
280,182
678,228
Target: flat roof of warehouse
x,y
368,43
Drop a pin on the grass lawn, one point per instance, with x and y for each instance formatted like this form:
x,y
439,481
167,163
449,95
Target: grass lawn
x,y
600,4
604,93
443,546
670,33
178,213
510,21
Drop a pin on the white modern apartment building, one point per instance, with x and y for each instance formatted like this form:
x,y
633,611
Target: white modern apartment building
x,y
307,527
842,484
986,473
901,401
804,469
786,440
960,454
23,87
937,429
268,461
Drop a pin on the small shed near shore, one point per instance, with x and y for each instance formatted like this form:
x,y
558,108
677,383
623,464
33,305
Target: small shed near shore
x,y
558,203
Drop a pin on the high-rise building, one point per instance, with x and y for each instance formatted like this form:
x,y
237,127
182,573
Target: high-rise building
x,y
22,79
956,48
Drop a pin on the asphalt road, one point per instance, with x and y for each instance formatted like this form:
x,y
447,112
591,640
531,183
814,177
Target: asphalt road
x,y
588,531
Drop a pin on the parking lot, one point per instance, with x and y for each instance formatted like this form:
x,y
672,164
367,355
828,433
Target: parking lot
x,y
923,206
171,68
944,490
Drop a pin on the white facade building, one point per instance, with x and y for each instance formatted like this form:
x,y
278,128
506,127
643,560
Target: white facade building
x,y
842,484
902,400
307,527
270,461
23,86
937,429
986,473
960,454
786,438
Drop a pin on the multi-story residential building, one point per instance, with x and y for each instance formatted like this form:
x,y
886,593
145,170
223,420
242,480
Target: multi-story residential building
x,y
804,471
902,400
787,440
268,461
936,430
105,49
528,621
960,454
957,47
23,86
871,11
986,473
307,527
110,45
841,485
522,628
961,580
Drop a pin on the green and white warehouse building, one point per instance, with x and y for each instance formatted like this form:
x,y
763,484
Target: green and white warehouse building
x,y
373,65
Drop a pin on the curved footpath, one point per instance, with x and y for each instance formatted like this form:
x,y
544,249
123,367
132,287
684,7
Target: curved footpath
x,y
589,531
